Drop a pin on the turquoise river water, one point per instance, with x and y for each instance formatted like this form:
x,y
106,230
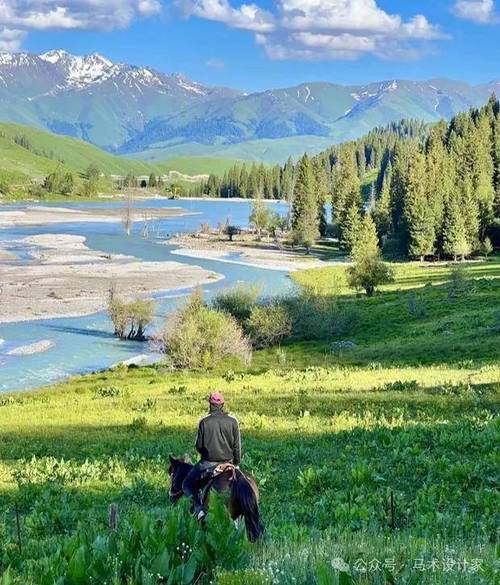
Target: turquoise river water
x,y
86,344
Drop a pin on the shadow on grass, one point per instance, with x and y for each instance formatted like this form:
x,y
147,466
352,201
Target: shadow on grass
x,y
423,326
443,475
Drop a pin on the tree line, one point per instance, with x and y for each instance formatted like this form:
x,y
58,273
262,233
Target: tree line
x,y
250,182
436,194
430,191
254,180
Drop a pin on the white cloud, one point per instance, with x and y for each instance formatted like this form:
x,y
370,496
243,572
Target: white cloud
x,y
420,28
323,29
480,11
215,63
25,15
362,16
247,16
11,39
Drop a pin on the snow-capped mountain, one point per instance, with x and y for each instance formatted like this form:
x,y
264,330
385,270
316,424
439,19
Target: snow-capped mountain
x,y
132,109
80,73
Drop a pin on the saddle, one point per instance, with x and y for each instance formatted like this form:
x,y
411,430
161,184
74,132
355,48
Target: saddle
x,y
222,468
211,476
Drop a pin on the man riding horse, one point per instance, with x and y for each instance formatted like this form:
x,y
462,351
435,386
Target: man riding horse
x,y
218,442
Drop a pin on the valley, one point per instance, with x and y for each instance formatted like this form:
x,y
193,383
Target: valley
x,y
318,259
142,113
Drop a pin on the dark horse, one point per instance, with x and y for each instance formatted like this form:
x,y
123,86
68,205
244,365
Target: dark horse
x,y
244,493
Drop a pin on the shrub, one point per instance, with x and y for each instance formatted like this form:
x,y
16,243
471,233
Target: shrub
x,y
417,306
36,190
4,187
108,392
459,283
399,386
238,301
59,182
487,246
369,273
197,336
320,317
130,319
231,231
148,404
269,325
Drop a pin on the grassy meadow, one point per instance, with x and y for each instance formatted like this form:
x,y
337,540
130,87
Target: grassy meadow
x,y
375,453
48,152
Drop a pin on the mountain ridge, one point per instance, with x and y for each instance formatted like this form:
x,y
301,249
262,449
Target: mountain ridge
x,y
143,113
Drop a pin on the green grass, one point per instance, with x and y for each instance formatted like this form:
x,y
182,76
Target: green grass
x,y
76,154
411,409
19,165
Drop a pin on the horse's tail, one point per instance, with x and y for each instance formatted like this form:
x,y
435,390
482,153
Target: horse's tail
x,y
245,497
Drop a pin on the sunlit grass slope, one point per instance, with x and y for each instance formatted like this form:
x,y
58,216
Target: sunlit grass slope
x,y
411,408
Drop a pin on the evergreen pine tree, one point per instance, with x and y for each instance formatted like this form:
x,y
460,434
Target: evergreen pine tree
x,y
352,226
382,211
418,213
346,186
322,192
496,157
305,224
455,238
365,242
243,182
288,180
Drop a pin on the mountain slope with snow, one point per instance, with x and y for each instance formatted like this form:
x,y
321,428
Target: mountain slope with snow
x,y
144,113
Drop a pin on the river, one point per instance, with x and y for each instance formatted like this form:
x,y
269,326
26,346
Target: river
x,y
86,344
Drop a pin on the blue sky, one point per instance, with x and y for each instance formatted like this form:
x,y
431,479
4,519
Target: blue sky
x,y
259,44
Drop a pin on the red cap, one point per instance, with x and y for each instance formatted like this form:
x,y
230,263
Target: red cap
x,y
216,398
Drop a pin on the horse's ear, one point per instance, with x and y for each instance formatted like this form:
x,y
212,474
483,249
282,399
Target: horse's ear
x,y
173,461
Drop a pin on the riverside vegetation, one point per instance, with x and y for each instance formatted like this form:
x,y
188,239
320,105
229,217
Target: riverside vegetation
x,y
433,191
371,434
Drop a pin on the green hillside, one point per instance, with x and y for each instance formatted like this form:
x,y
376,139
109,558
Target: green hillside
x,y
47,150
28,153
267,150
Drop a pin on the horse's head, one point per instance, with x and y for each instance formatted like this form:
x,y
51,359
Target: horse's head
x,y
178,471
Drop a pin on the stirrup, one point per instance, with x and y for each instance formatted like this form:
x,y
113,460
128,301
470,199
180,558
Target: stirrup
x,y
201,514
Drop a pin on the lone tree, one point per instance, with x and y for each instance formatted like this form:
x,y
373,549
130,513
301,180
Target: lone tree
x,y
305,220
368,271
91,177
152,181
260,216
231,231
130,319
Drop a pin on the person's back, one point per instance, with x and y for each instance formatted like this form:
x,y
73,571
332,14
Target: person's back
x,y
218,441
218,437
